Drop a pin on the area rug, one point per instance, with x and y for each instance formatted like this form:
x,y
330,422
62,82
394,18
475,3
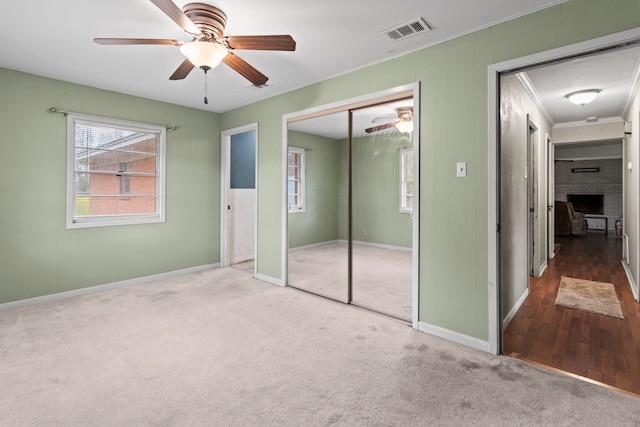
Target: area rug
x,y
594,297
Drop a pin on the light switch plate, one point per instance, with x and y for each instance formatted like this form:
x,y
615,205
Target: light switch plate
x,y
461,169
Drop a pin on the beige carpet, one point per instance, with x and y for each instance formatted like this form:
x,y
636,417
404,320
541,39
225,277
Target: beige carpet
x,y
219,348
587,295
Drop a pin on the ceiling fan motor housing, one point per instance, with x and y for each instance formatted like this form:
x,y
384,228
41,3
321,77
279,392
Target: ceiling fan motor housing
x,y
209,19
405,113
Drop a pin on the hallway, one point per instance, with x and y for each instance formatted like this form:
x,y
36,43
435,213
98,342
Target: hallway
x,y
595,346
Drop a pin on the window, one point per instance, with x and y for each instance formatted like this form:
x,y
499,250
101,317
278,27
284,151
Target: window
x,y
406,180
295,181
115,172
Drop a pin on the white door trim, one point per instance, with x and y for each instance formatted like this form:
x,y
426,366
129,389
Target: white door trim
x,y
493,74
412,89
551,191
533,266
225,158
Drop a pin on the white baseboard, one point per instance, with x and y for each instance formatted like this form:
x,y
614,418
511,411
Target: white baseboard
x,y
269,279
543,267
454,336
313,245
101,288
355,242
515,309
379,245
632,283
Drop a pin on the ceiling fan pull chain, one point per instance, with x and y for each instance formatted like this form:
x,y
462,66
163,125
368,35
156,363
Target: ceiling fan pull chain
x,y
206,101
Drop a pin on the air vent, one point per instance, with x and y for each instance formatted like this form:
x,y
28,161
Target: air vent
x,y
408,29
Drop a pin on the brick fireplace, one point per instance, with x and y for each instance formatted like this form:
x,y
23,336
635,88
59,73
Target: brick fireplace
x,y
592,185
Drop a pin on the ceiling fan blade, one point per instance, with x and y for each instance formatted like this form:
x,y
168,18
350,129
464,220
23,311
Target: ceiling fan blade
x,y
379,128
279,42
182,71
109,41
244,69
174,12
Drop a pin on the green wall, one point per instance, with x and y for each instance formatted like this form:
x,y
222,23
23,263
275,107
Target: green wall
x,y
319,222
453,118
376,191
39,255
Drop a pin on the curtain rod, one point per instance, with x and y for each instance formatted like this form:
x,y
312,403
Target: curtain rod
x,y
65,112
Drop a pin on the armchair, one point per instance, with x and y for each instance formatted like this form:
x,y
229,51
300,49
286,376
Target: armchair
x,y
568,221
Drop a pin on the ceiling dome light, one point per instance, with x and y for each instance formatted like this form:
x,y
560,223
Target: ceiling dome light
x,y
405,126
205,55
583,97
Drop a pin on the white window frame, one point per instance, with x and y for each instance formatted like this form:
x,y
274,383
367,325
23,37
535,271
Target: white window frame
x,y
301,179
403,174
123,219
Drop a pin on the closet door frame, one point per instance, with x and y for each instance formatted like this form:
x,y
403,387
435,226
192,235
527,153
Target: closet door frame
x,y
411,90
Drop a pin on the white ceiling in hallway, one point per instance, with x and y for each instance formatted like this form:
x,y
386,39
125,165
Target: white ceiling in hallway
x,y
614,73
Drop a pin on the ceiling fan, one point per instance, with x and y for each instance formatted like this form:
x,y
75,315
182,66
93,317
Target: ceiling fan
x,y
403,122
209,47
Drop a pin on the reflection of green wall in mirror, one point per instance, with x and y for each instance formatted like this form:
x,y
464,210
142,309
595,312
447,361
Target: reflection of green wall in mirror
x,y
376,190
319,221
376,186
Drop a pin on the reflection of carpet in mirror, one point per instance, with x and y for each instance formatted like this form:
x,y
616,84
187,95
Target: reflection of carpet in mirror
x,y
594,297
382,277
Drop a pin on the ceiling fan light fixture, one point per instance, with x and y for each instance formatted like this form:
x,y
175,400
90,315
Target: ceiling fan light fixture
x,y
405,126
204,54
583,97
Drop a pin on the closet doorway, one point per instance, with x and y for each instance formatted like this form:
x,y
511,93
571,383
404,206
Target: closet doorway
x,y
352,202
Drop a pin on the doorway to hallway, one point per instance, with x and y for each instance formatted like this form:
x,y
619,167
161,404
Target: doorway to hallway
x,y
527,324
601,348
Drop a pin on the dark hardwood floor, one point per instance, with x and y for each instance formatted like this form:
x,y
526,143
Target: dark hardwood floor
x,y
594,346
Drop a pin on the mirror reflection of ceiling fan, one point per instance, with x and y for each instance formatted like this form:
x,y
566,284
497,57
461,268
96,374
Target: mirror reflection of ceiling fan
x,y
403,121
209,46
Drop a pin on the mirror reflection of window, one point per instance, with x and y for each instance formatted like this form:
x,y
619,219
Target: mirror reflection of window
x,y
295,180
406,180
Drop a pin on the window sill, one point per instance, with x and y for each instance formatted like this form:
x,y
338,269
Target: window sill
x,y
103,222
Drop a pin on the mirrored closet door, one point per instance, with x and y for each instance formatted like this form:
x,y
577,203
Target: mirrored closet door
x,y
381,208
350,199
317,179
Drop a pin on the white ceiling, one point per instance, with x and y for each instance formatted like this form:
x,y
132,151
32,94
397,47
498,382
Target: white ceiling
x,y
614,73
55,39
